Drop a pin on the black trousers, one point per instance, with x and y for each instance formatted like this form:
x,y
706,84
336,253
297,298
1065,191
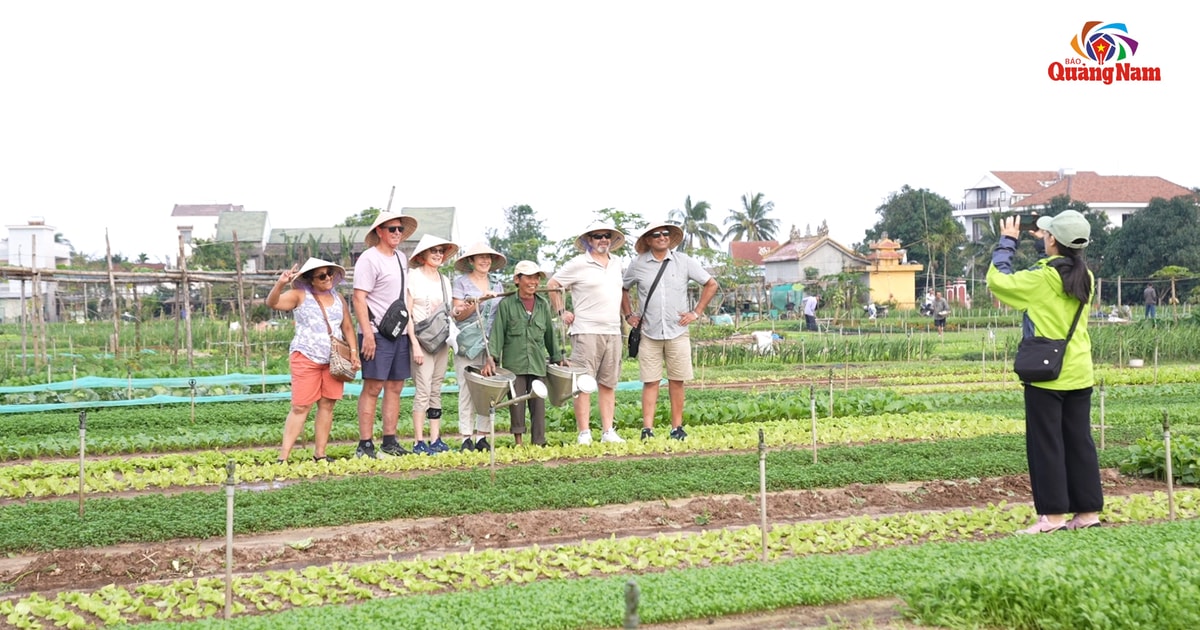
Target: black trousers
x,y
1064,471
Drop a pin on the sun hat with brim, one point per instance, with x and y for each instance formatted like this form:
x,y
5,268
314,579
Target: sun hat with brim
x,y
464,264
429,241
642,245
618,239
1069,228
339,272
528,268
408,223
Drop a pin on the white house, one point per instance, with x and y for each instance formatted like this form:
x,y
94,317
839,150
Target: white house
x,y
1119,196
30,245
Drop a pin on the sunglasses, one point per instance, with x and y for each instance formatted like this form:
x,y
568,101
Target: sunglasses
x,y
322,276
607,236
437,250
395,228
661,234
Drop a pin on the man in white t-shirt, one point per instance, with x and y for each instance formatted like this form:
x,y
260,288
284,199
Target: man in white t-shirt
x,y
594,280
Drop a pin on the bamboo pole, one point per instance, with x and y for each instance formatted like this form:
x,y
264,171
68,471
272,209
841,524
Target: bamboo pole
x,y
112,288
237,258
186,304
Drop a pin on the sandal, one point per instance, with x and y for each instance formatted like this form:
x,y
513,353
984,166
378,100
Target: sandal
x,y
1074,524
1043,526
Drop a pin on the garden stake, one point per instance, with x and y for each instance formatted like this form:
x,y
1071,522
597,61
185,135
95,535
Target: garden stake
x,y
1156,360
264,373
192,384
48,372
762,489
812,406
1170,473
229,468
1102,395
82,448
128,384
830,392
632,595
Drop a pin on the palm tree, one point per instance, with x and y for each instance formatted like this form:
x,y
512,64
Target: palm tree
x,y
751,222
696,227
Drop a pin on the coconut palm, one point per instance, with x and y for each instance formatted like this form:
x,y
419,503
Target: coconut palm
x,y
751,222
696,227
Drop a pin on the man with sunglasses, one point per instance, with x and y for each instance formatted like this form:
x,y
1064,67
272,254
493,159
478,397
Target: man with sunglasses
x,y
664,317
379,280
594,280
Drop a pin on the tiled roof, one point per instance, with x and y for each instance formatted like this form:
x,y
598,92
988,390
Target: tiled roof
x,y
800,248
209,210
1027,182
751,250
249,226
1089,187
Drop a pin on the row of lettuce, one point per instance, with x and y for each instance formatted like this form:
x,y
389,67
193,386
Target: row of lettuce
x,y
934,561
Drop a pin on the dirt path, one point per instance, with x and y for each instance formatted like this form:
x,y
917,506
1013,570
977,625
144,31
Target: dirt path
x,y
133,564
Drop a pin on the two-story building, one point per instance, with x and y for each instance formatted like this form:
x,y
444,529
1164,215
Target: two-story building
x,y
1118,196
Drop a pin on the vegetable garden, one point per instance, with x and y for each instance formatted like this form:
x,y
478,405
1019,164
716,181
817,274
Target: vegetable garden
x,y
895,476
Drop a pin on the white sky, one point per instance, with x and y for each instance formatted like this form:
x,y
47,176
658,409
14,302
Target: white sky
x,y
112,112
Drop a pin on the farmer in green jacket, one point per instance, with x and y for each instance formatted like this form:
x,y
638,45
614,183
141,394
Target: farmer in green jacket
x,y
1063,469
522,338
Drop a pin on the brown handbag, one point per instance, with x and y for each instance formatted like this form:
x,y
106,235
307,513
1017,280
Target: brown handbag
x,y
341,363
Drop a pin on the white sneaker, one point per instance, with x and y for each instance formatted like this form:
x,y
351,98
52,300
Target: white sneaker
x,y
611,436
585,437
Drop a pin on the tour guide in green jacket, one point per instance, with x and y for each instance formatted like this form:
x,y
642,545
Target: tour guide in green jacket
x,y
1064,473
522,337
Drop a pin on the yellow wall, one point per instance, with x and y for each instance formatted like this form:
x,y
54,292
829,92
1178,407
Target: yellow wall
x,y
898,281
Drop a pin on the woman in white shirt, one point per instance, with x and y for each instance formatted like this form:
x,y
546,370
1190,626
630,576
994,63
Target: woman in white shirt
x,y
430,293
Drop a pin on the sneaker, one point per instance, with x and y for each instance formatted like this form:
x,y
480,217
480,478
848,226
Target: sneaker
x,y
323,458
422,448
482,444
468,445
611,437
585,437
647,433
366,449
438,446
678,433
394,449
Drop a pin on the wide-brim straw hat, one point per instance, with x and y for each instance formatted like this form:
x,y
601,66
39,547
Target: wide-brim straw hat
x,y
339,272
463,264
408,223
528,268
643,242
618,239
429,241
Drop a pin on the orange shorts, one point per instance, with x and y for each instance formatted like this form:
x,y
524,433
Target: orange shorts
x,y
311,381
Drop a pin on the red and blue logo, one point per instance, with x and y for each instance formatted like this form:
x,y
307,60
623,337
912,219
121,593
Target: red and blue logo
x,y
1109,42
1103,52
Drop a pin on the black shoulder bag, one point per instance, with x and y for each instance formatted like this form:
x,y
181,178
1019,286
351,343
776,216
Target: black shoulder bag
x,y
1040,359
635,333
391,325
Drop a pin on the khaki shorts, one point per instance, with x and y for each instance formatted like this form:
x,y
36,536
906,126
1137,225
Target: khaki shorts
x,y
600,354
675,354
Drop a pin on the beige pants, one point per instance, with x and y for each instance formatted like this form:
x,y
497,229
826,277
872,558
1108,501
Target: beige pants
x,y
427,380
466,408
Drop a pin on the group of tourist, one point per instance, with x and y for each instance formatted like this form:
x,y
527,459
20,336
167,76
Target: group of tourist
x,y
404,307
397,301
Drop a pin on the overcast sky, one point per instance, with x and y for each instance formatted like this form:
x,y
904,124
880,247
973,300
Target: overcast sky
x,y
113,112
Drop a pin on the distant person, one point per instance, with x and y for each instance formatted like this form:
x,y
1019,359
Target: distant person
x,y
319,312
664,318
594,280
523,340
1064,472
810,311
1150,297
474,314
380,279
941,310
429,292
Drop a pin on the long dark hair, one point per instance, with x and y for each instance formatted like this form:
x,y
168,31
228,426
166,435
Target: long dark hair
x,y
1072,267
